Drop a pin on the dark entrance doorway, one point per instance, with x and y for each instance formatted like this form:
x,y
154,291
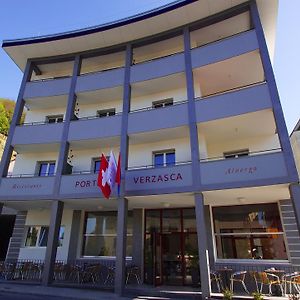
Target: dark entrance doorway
x,y
171,249
6,228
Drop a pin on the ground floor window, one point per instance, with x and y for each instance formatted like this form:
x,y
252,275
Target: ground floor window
x,y
100,234
37,236
249,232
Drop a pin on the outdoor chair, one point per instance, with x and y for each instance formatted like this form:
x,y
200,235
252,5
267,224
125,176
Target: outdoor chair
x,y
133,271
216,277
291,283
238,277
264,278
92,273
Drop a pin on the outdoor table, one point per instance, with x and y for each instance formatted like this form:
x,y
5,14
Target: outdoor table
x,y
280,274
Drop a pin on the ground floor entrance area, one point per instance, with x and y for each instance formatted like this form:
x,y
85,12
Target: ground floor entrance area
x,y
171,249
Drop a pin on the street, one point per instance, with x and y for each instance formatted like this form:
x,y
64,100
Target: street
x,y
15,296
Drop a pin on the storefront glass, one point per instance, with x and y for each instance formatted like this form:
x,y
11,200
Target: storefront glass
x,y
249,232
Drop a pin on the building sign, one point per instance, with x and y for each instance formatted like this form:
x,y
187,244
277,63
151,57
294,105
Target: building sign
x,y
157,178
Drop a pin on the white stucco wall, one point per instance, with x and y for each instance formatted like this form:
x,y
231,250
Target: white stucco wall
x,y
42,218
295,142
39,115
26,163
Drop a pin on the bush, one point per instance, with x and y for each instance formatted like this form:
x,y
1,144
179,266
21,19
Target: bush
x,y
257,296
227,294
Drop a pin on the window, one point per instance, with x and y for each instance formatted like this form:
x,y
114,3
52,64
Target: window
x,y
100,234
164,158
37,236
55,119
106,112
96,162
46,168
162,103
249,232
236,154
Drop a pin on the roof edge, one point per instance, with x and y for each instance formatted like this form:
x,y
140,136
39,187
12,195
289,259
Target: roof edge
x,y
98,28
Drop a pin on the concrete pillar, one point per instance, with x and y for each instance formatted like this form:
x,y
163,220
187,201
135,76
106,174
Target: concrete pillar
x,y
295,196
121,246
52,243
138,238
74,235
202,246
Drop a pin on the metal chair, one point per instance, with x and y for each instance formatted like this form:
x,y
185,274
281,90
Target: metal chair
x,y
264,278
216,277
133,271
293,281
238,277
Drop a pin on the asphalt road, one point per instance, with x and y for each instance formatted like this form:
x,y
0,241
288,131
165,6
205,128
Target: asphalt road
x,y
13,296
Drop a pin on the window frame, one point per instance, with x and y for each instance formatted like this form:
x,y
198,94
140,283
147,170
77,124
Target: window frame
x,y
48,162
164,152
236,153
56,119
247,260
39,232
108,112
162,103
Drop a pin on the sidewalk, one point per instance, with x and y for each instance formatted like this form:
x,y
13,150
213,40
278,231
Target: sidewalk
x,y
64,293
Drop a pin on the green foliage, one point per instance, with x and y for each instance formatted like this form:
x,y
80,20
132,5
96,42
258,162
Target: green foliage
x,y
6,113
227,294
4,121
257,296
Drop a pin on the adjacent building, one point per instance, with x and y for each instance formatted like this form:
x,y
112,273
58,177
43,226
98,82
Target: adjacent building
x,y
187,94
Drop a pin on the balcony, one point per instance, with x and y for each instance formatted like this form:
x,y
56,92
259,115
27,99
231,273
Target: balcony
x,y
259,168
150,119
238,101
154,180
236,45
47,88
24,187
95,128
37,133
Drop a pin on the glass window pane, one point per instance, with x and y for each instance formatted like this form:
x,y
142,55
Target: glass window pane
x,y
189,220
100,246
170,158
31,237
96,166
171,220
61,236
43,238
43,169
158,159
152,221
51,169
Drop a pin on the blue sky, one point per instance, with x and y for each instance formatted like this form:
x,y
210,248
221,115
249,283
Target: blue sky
x,y
36,17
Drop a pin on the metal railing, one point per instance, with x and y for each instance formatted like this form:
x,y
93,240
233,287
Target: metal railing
x,y
179,163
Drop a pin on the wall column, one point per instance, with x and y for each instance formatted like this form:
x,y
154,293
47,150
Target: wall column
x,y
122,201
8,149
64,145
74,235
194,143
52,243
276,105
121,246
295,196
138,238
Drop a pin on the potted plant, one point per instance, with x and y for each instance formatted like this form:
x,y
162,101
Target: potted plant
x,y
257,296
227,294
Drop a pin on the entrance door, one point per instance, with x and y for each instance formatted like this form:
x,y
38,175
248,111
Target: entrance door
x,y
172,259
7,222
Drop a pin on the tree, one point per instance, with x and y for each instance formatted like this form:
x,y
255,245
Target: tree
x,y
4,120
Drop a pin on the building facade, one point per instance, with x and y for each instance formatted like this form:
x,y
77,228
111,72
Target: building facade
x,y
295,142
187,94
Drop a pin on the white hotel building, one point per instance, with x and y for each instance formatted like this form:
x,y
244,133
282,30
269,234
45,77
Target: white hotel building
x,y
187,93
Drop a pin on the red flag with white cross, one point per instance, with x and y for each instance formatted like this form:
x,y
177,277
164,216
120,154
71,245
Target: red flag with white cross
x,y
103,177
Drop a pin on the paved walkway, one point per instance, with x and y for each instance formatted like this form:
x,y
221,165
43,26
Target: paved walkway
x,y
59,292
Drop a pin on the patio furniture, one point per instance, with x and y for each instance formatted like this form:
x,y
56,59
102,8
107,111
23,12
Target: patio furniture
x,y
216,277
238,277
225,273
291,283
133,271
110,278
92,273
265,278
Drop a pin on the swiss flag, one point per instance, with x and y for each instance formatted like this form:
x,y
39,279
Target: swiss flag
x,y
103,177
